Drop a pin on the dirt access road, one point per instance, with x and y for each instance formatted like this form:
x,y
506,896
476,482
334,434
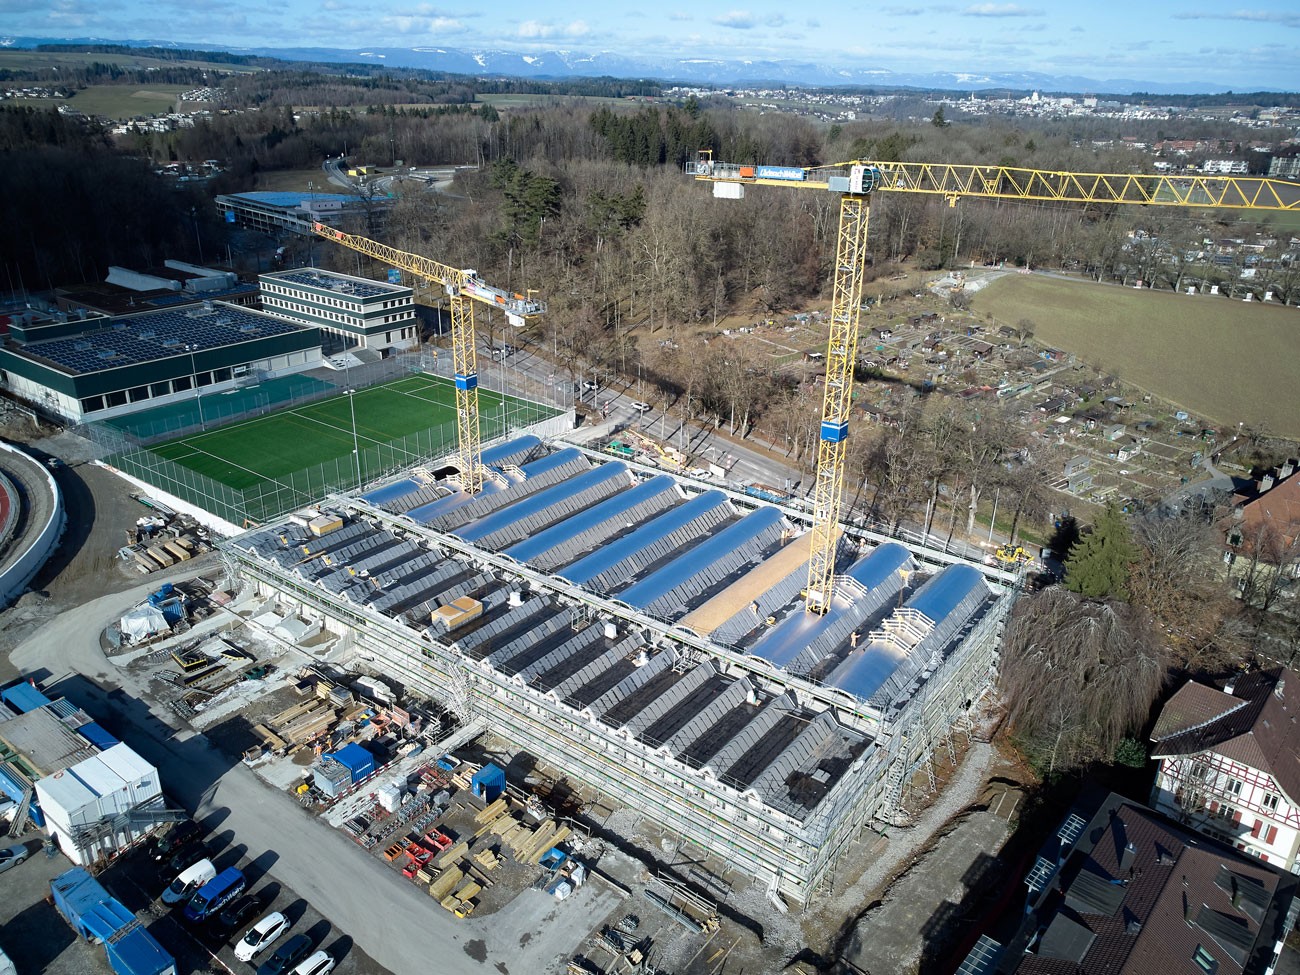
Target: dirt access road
x,y
85,565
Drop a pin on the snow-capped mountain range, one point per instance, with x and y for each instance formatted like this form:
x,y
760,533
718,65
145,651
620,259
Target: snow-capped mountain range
x,y
702,71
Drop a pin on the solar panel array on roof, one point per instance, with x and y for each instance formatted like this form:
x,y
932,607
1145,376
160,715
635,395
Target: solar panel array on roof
x,y
1093,894
1232,934
1249,895
1066,939
154,335
346,286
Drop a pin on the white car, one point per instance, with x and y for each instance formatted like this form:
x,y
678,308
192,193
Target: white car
x,y
641,407
261,935
318,964
590,387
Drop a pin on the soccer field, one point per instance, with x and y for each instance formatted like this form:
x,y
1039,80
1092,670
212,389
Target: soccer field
x,y
404,421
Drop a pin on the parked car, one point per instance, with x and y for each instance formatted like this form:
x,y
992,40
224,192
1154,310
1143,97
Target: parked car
x,y
185,856
190,880
184,833
11,856
590,387
286,955
261,935
235,916
321,963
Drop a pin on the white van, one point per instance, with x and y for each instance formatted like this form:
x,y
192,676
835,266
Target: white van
x,y
190,880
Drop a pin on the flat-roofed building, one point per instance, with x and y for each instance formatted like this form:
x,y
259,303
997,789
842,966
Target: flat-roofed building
x,y
101,368
370,314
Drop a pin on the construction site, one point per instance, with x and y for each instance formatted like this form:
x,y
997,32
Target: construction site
x,y
759,681
649,639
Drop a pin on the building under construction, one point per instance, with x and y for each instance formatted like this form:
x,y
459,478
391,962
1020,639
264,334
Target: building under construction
x,y
647,636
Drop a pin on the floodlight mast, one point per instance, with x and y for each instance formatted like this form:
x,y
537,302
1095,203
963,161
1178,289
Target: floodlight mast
x,y
464,287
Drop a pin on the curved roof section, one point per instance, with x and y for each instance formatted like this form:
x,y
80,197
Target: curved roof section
x,y
876,568
584,570
542,500
607,510
864,670
391,492
944,593
698,559
503,452
800,631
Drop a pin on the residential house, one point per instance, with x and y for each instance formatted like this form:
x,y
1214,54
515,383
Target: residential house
x,y
1127,891
1265,526
1230,763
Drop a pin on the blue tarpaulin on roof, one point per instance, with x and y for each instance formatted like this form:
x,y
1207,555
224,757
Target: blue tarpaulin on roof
x,y
97,736
24,697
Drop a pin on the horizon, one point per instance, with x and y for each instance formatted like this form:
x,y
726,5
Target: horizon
x,y
1163,44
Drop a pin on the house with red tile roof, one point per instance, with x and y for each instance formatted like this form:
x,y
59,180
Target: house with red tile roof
x,y
1263,533
1131,892
1230,763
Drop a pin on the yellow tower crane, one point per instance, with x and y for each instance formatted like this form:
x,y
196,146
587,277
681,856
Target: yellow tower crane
x,y
855,182
464,287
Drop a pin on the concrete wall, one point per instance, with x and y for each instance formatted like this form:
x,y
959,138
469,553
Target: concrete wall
x,y
14,580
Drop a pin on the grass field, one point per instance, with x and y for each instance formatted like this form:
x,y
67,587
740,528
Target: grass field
x,y
320,435
120,101
1227,361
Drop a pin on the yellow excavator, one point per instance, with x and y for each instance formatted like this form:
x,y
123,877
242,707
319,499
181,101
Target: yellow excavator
x,y
1012,555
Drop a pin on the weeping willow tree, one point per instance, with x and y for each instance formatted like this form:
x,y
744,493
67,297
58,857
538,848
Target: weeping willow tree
x,y
1078,675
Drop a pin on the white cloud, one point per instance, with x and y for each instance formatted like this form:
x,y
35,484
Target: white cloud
x,y
539,30
736,19
1000,10
1252,16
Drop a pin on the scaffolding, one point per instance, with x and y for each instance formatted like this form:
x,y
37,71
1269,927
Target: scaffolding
x,y
794,851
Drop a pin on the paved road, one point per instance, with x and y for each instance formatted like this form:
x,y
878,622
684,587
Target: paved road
x,y
394,922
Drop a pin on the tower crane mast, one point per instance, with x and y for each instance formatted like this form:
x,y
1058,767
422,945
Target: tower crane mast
x,y
464,287
855,182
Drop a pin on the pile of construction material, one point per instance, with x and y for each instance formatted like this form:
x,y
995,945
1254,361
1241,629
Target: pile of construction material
x,y
162,540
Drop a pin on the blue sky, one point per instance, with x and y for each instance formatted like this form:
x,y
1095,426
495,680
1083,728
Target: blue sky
x,y
1155,40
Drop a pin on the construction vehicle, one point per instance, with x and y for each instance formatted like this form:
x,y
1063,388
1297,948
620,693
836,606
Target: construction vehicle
x,y
1011,555
856,181
464,287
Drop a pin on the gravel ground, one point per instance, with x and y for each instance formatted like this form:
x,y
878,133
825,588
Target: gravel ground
x,y
100,509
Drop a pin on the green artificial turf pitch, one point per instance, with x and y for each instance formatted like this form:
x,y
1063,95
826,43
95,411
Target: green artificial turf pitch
x,y
273,446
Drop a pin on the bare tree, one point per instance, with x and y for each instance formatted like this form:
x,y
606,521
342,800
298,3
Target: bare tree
x,y
1077,676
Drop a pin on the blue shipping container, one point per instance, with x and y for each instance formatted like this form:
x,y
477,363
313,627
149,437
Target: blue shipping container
x,y
488,782
99,918
356,760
